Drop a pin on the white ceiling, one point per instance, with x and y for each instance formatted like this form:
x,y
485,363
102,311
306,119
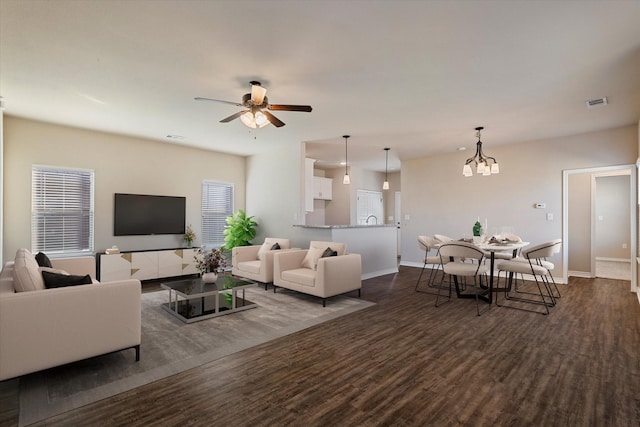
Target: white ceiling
x,y
415,76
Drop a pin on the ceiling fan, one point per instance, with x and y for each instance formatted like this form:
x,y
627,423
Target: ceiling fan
x,y
257,104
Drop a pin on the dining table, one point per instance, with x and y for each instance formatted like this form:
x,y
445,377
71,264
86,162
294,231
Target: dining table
x,y
492,248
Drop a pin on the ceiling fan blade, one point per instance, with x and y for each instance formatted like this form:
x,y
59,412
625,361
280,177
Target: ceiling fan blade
x,y
273,119
282,107
218,100
257,94
233,116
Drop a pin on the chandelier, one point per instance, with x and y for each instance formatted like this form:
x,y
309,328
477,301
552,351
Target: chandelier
x,y
481,160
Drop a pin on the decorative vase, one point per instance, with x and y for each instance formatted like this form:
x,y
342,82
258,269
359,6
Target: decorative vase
x,y
189,242
209,277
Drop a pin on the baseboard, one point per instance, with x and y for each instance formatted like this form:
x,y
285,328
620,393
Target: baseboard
x,y
585,274
626,260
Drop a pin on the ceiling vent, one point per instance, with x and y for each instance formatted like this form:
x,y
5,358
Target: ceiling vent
x,y
592,103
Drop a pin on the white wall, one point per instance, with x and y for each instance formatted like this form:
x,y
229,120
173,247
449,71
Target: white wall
x,y
275,184
439,199
122,165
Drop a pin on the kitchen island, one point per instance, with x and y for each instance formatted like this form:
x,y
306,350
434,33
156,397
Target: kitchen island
x,y
376,244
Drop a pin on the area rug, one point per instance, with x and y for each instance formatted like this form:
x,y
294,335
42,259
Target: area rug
x,y
170,346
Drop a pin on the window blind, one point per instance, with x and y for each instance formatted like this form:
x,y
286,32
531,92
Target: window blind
x,y
61,210
217,205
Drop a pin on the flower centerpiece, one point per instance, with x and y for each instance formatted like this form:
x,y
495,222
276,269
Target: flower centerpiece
x,y
209,263
189,236
477,232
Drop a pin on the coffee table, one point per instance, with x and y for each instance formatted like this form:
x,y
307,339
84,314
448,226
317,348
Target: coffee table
x,y
193,300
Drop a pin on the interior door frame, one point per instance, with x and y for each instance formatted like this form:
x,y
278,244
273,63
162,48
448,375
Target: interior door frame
x,y
633,195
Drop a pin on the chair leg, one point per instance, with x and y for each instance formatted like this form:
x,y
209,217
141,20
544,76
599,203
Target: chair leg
x,y
437,304
542,301
433,274
420,277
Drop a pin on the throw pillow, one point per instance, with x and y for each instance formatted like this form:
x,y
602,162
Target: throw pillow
x,y
275,247
43,260
52,270
329,252
311,258
55,280
262,252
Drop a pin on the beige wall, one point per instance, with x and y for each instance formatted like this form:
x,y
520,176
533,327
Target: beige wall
x,y
579,216
122,165
338,211
390,198
439,199
612,217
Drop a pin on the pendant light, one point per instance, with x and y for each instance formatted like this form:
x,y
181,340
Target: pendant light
x,y
346,179
481,161
385,184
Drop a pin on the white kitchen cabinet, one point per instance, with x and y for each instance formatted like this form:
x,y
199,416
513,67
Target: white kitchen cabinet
x,y
322,188
308,185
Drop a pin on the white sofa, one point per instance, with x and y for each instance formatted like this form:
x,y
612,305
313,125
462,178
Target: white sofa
x,y
255,262
43,328
331,276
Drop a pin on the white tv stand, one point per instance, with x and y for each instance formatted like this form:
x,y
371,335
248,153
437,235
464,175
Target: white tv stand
x,y
146,264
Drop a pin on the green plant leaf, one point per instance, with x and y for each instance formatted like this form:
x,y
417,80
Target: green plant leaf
x,y
240,230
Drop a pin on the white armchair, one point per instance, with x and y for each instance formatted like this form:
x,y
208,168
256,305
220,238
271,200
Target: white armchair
x,y
309,272
256,262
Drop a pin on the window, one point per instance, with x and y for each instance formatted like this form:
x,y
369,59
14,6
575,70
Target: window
x,y
61,210
369,207
217,205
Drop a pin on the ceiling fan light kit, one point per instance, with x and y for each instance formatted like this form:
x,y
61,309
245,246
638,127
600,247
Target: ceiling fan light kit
x,y
257,103
481,161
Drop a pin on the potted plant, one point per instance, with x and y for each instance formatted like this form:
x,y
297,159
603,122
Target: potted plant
x,y
239,231
189,236
477,232
209,263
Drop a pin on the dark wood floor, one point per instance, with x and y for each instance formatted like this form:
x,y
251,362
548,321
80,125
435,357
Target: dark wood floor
x,y
404,362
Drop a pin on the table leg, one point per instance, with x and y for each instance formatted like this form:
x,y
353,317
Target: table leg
x,y
493,260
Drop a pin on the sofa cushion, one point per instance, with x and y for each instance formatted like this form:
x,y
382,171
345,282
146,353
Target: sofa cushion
x,y
56,280
43,260
301,276
269,244
26,275
311,258
275,247
250,266
341,248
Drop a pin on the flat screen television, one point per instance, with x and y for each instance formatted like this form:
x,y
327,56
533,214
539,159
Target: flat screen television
x,y
139,214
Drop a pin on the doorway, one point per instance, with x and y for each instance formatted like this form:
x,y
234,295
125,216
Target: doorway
x,y
585,217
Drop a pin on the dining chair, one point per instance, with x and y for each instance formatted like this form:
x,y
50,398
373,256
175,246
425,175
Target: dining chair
x,y
452,255
442,238
427,244
533,262
557,244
